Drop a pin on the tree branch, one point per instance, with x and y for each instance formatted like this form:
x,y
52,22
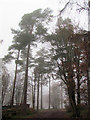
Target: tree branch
x,y
64,7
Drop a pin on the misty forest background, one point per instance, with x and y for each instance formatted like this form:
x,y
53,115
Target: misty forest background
x,y
52,66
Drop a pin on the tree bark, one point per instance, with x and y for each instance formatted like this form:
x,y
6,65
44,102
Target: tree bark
x,y
88,80
87,49
61,97
71,93
26,78
34,94
3,96
78,89
41,93
88,85
49,92
38,95
13,92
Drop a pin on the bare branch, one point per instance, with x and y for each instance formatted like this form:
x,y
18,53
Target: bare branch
x,y
64,7
82,7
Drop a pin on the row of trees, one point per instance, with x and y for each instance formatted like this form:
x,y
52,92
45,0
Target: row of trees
x,y
66,59
32,29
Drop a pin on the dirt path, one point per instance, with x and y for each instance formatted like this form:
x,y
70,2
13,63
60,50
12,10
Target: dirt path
x,y
50,114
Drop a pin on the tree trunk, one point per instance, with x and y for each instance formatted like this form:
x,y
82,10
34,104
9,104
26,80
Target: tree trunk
x,y
49,92
88,58
34,94
38,95
41,92
88,85
13,92
71,93
26,78
3,96
78,89
87,49
61,97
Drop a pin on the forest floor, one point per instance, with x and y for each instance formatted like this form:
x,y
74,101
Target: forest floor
x,y
44,114
49,114
30,114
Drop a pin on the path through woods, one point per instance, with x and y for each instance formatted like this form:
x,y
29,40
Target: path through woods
x,y
50,114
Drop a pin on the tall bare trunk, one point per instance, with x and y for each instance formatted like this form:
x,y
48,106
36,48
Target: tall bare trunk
x,y
34,93
49,92
78,89
13,92
88,57
89,87
61,97
26,77
41,92
87,49
38,95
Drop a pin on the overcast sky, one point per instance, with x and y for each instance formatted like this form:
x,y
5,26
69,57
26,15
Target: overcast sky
x,y
11,12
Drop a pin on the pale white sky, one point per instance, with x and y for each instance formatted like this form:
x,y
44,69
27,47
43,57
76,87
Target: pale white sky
x,y
11,12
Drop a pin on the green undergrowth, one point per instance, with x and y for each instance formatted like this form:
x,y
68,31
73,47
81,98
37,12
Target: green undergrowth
x,y
19,112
